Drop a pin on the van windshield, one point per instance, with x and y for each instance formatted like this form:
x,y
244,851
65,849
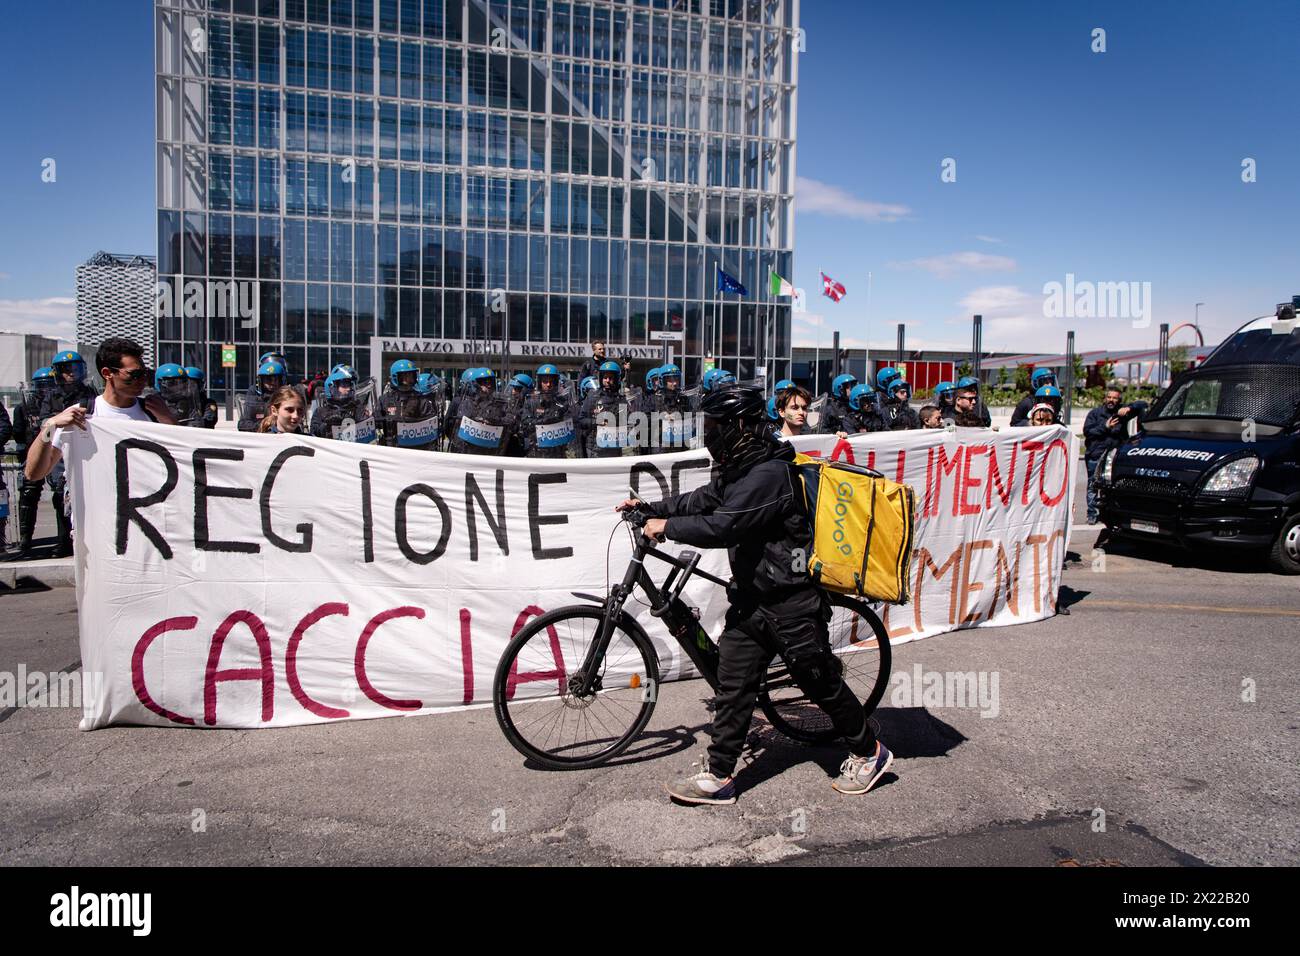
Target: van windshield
x,y
1267,394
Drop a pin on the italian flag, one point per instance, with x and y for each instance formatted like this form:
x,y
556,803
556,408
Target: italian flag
x,y
779,286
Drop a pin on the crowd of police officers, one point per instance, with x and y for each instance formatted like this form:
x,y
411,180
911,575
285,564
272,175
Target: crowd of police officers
x,y
545,414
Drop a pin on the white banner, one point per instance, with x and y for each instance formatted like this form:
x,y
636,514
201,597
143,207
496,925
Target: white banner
x,y
230,579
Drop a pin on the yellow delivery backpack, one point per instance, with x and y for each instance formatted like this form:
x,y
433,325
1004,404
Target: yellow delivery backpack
x,y
861,529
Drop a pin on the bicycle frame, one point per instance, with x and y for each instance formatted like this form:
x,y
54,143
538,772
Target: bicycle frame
x,y
666,603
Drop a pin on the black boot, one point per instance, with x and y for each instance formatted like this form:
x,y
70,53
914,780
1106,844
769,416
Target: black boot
x,y
64,547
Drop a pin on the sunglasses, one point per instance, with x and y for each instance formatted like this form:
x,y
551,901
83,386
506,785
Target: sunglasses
x,y
134,375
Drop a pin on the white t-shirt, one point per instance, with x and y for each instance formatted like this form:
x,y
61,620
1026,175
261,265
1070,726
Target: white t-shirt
x,y
132,412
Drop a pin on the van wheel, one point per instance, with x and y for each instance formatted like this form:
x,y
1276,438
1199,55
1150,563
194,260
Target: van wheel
x,y
1284,556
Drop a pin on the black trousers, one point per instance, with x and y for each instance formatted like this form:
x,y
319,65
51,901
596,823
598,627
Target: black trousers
x,y
794,626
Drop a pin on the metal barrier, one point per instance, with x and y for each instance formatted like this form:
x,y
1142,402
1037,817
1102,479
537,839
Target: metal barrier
x,y
11,470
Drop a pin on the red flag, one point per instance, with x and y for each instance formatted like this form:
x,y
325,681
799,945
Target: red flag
x,y
831,289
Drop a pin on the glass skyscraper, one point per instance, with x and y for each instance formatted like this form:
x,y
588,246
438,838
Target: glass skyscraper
x,y
382,177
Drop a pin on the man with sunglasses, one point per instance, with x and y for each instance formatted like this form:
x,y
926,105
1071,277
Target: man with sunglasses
x,y
120,362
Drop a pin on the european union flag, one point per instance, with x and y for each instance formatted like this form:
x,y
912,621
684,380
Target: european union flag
x,y
729,283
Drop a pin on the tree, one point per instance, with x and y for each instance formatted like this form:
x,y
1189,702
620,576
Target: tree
x,y
1080,371
1023,374
1002,375
1178,359
964,369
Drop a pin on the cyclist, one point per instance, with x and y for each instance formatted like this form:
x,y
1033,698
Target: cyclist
x,y
755,509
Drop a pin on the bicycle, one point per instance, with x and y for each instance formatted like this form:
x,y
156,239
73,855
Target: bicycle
x,y
612,692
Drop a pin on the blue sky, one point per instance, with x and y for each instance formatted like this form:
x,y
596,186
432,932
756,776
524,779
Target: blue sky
x,y
1122,166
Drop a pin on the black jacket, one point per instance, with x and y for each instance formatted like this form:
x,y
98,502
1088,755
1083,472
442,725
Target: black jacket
x,y
1023,408
900,415
6,426
758,515
835,417
1097,438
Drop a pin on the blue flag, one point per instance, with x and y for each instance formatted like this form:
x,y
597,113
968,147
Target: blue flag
x,y
729,283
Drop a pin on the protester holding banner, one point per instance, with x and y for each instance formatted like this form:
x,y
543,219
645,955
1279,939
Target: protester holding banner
x,y
286,412
931,416
121,364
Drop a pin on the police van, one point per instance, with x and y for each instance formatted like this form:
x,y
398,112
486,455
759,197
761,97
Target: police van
x,y
1216,460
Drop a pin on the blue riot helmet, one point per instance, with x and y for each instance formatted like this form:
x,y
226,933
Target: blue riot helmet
x,y
424,383
270,375
482,378
771,409
43,380
194,374
652,377
670,372
548,377
609,368
724,378
275,357
340,385
709,379
341,367
522,380
397,370
782,385
945,392
886,378
860,392
464,376
1041,377
842,385
588,385
968,381
171,382
900,390
1050,394
69,368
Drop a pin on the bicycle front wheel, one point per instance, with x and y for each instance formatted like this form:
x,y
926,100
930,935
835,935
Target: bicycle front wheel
x,y
858,638
536,691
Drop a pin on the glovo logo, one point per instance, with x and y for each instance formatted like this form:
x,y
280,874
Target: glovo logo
x,y
843,495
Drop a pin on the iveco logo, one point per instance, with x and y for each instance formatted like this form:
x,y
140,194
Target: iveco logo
x,y
1151,473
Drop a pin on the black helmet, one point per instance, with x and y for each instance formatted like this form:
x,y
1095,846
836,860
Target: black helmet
x,y
734,402
736,431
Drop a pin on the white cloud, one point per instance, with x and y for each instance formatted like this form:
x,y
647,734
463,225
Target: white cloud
x,y
813,196
953,262
988,239
55,316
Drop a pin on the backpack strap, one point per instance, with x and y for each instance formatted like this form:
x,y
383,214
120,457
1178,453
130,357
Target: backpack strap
x,y
145,408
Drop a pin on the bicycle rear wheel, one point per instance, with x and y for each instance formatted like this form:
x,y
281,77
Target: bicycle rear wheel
x,y
858,638
534,690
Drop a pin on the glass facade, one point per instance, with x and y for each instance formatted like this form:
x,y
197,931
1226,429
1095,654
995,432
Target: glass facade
x,y
447,170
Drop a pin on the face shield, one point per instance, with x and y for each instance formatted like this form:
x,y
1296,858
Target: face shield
x,y
69,374
177,390
406,380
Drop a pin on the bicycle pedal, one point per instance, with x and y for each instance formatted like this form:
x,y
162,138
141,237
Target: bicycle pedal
x,y
695,613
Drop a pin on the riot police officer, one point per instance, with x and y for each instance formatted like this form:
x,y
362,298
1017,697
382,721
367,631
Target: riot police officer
x,y
896,413
604,415
944,395
836,411
205,404
547,426
180,393
478,422
70,388
253,403
864,410
672,430
409,415
26,424
1041,378
341,414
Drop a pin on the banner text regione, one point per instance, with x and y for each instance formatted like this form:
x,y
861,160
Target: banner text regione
x,y
240,580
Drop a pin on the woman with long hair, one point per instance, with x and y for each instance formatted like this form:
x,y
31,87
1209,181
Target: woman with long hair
x,y
286,412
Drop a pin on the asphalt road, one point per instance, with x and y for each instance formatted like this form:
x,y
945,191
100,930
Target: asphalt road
x,y
1131,705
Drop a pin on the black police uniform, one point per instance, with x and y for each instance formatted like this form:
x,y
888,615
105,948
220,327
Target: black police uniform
x,y
548,417
834,417
404,406
675,419
487,410
256,405
607,406
758,514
